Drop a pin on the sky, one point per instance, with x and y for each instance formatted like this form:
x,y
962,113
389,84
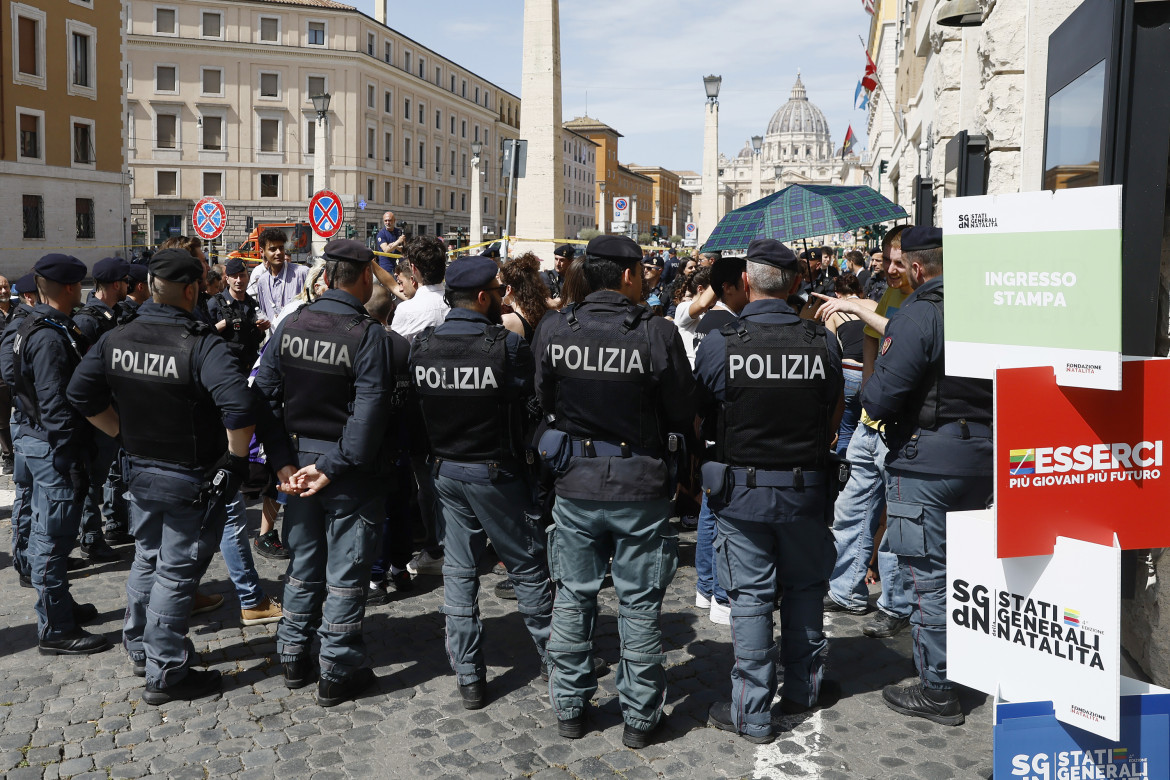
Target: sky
x,y
638,65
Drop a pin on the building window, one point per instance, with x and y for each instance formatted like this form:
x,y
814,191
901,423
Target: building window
x,y
309,184
463,167
166,79
30,46
463,201
406,109
270,185
30,135
83,207
406,61
452,83
477,133
453,162
212,24
270,29
370,190
167,182
316,33
81,59
406,152
406,195
438,160
389,145
422,68
477,95
422,155
165,21
438,75
452,201
370,135
83,151
388,190
316,86
213,184
371,100
212,139
388,99
34,216
388,53
464,87
311,136
270,135
452,124
166,131
422,229
421,201
270,85
212,81
438,120
422,111
371,40
463,129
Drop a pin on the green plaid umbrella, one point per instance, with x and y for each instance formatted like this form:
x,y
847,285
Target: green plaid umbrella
x,y
802,211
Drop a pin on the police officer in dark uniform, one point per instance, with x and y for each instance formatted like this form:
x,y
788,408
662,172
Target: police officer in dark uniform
x,y
329,374
170,390
770,390
473,379
46,349
98,316
938,430
26,290
137,292
236,316
554,278
616,382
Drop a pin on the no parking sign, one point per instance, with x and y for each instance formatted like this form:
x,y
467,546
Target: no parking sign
x,y
325,213
620,207
209,218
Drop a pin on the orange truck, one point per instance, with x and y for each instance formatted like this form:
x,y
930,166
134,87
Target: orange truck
x,y
298,240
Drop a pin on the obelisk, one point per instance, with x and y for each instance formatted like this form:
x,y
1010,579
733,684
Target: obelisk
x,y
540,204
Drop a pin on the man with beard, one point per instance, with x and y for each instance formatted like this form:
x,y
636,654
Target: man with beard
x,y
474,379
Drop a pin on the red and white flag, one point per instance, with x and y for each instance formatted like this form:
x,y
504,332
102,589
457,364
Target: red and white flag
x,y
869,80
868,4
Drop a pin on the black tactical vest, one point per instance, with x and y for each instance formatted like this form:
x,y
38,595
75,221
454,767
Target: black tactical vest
x,y
606,388
23,391
775,412
946,398
460,384
317,352
165,414
106,319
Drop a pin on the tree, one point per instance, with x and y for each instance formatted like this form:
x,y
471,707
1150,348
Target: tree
x,y
588,234
644,239
676,240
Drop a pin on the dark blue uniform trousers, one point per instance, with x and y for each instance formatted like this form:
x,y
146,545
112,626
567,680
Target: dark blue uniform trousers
x,y
916,526
473,514
56,515
644,548
747,555
173,544
332,541
105,453
21,504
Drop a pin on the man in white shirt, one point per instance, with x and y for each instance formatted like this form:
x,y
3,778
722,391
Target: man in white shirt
x,y
282,280
428,264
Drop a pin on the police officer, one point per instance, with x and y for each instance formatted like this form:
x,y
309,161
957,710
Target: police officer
x,y
170,389
938,429
236,315
768,486
554,278
473,378
137,292
328,372
618,386
46,349
98,316
26,290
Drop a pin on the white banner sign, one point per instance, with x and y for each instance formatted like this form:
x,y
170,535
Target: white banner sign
x,y
1046,627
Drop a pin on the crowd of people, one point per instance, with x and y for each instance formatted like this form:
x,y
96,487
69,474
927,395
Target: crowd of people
x,y
414,415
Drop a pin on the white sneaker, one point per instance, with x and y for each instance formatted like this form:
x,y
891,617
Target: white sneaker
x,y
720,613
701,601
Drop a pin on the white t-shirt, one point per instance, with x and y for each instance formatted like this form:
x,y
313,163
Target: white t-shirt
x,y
425,309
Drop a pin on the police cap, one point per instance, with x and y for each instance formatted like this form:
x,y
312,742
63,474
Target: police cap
x,y
26,284
474,272
769,251
62,269
917,238
814,254
347,250
566,251
176,265
654,261
111,269
235,266
619,249
491,251
136,273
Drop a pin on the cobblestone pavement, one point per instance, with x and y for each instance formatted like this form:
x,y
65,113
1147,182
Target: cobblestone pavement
x,y
83,717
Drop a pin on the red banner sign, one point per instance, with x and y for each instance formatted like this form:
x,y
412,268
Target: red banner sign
x,y
1081,463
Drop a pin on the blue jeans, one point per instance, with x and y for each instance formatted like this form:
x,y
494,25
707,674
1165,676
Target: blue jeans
x,y
644,547
751,557
173,544
21,504
473,515
708,578
332,539
852,409
237,554
56,517
856,517
917,530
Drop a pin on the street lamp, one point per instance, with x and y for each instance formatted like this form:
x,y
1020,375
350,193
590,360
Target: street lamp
x,y
709,216
476,195
757,145
960,13
320,157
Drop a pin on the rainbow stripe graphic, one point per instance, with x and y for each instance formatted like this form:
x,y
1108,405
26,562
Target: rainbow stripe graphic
x,y
1120,754
1072,617
1021,462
